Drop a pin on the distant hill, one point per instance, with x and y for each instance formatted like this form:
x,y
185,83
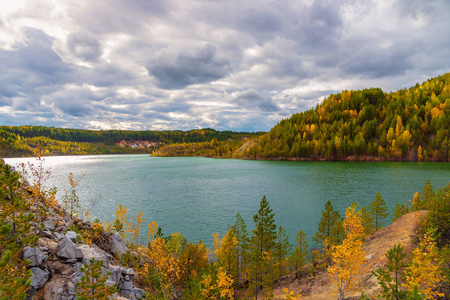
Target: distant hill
x,y
407,125
24,140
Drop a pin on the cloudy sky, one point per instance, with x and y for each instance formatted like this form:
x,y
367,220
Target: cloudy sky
x,y
224,64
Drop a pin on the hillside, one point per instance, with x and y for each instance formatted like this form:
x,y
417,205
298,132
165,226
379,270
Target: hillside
x,y
407,125
376,245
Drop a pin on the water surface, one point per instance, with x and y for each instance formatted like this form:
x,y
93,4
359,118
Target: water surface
x,y
200,196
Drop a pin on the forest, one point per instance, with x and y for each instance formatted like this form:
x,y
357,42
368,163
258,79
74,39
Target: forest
x,y
25,140
408,125
249,262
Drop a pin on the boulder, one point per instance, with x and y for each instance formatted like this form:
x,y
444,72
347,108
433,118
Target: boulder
x,y
72,235
116,273
117,245
59,236
94,252
38,278
59,288
67,249
36,256
49,225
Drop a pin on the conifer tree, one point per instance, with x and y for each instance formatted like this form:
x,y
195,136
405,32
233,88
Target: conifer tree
x,y
281,251
389,278
326,224
93,284
15,225
242,251
262,244
378,211
299,256
367,220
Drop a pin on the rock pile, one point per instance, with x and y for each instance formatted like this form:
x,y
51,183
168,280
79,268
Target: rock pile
x,y
57,258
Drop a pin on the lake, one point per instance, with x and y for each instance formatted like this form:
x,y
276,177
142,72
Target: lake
x,y
200,196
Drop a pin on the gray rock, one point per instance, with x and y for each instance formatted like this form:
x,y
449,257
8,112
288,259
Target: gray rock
x,y
67,249
71,260
94,252
117,245
59,236
116,273
130,273
126,288
38,278
86,223
72,235
138,293
47,234
49,225
36,256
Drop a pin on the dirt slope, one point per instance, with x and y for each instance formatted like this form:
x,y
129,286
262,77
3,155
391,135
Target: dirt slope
x,y
376,245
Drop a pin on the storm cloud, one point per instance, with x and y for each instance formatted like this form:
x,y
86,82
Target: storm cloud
x,y
229,65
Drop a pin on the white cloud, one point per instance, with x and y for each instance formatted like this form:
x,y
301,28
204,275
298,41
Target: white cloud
x,y
182,64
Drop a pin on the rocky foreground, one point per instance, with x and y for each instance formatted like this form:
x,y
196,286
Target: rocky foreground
x,y
58,256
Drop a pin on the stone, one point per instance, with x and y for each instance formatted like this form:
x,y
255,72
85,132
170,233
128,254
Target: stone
x,y
71,260
38,278
49,225
126,288
67,249
94,252
72,235
58,235
47,234
138,293
36,256
117,245
116,273
130,273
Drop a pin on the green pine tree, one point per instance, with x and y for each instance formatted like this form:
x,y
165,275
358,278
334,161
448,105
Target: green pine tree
x,y
300,255
92,284
281,251
262,245
378,211
329,219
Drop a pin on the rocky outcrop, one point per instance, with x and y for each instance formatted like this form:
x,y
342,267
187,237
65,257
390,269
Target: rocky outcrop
x,y
57,259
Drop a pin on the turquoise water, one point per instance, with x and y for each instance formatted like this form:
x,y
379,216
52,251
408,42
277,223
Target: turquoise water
x,y
200,196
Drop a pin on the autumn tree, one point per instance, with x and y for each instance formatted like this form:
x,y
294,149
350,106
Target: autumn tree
x,y
299,255
348,259
425,269
225,251
378,211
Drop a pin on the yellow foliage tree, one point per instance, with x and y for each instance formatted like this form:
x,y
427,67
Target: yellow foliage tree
x,y
121,224
137,228
425,270
348,259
